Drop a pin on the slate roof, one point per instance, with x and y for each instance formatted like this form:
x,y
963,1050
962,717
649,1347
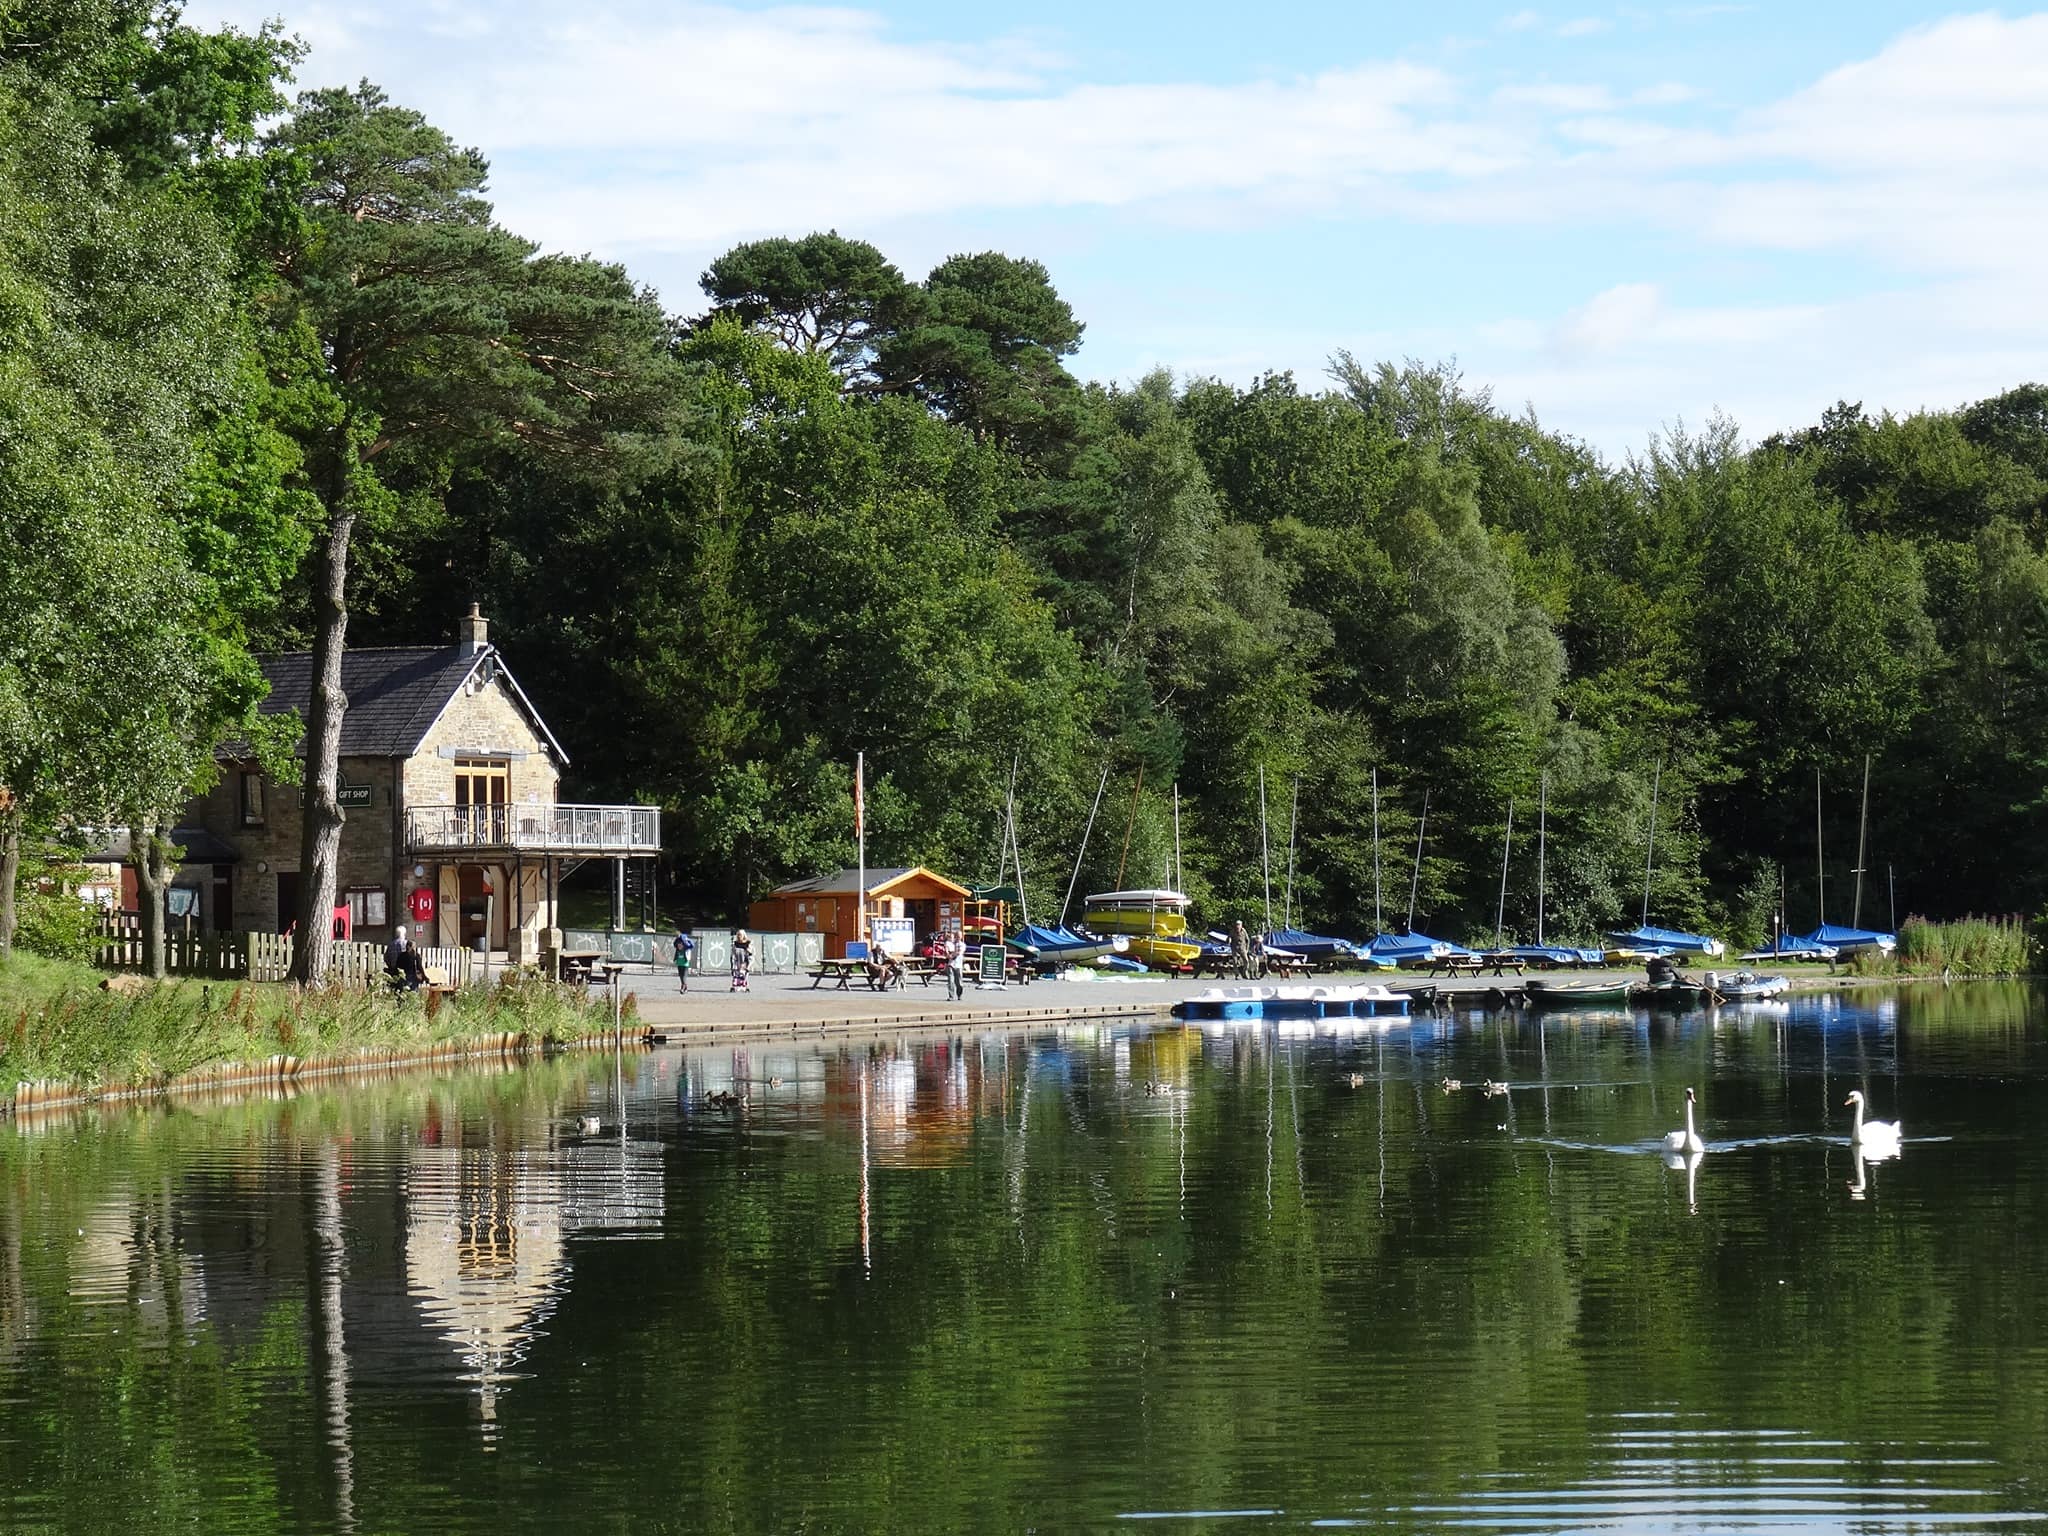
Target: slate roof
x,y
395,693
845,882
200,845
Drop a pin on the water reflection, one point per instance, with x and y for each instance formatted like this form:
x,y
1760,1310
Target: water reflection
x,y
1429,1274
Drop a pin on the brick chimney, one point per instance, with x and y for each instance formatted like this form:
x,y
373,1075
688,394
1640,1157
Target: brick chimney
x,y
472,632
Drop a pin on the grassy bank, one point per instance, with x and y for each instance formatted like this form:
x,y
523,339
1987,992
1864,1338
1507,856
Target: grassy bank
x,y
56,1022
1970,946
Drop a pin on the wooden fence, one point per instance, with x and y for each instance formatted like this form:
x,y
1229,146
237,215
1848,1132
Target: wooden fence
x,y
257,956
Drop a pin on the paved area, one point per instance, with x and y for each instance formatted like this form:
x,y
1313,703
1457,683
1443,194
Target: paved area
x,y
774,1003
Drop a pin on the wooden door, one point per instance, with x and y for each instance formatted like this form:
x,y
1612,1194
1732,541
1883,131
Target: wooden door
x,y
482,786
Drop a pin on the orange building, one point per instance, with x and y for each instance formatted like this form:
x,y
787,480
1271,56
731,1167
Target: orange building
x,y
830,904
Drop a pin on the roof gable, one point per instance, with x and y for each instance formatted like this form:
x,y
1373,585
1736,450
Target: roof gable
x,y
846,881
395,693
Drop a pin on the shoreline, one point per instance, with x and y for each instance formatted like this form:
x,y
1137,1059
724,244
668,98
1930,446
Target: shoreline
x,y
783,1008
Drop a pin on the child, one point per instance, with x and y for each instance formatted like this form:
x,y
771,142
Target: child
x,y
742,958
685,947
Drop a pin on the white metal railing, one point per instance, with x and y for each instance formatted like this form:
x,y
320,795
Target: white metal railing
x,y
535,828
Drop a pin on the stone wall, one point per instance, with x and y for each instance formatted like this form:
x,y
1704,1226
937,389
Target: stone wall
x,y
270,847
487,723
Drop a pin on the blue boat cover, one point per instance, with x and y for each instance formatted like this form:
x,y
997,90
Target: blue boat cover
x,y
1791,947
1667,941
1560,954
1313,945
1835,936
1412,946
1049,941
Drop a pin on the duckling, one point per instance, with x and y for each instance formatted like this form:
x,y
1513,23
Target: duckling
x,y
1354,1079
774,1082
589,1125
1451,1085
1159,1088
1493,1090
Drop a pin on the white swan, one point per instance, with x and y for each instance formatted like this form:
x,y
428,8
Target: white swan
x,y
1687,1140
1874,1138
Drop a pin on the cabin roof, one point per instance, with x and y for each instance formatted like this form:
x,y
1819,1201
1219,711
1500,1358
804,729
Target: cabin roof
x,y
847,881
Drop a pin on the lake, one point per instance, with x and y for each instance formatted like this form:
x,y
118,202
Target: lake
x,y
1122,1277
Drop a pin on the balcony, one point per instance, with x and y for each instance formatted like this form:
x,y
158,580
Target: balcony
x,y
587,830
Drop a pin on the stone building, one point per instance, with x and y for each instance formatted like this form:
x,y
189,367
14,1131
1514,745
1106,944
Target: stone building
x,y
448,782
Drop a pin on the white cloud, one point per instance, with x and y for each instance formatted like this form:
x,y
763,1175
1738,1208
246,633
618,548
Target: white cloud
x,y
1584,26
665,132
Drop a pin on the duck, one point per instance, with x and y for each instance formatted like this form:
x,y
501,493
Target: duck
x,y
725,1098
1687,1140
1159,1088
1451,1085
1874,1138
1354,1079
589,1125
1493,1090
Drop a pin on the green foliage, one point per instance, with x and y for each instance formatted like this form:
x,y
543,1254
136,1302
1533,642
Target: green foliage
x,y
1970,946
60,1024
53,921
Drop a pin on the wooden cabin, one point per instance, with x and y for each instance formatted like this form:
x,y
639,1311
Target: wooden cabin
x,y
907,904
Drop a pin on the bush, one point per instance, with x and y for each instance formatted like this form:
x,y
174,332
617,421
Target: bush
x,y
52,920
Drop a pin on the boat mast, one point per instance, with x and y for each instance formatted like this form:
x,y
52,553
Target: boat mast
x,y
1862,839
1179,873
1017,849
1820,863
1130,826
1265,849
1090,827
1650,857
1377,925
1542,828
1415,879
1293,813
1500,913
1892,887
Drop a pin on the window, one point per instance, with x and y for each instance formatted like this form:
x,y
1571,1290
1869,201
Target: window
x,y
368,907
482,786
252,799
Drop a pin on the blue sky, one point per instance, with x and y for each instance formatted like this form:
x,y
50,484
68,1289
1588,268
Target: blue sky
x,y
1619,216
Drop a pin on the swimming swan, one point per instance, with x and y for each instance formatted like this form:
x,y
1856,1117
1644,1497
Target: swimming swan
x,y
1875,1138
1687,1140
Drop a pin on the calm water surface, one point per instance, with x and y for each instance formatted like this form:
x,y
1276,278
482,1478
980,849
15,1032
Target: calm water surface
x,y
1112,1278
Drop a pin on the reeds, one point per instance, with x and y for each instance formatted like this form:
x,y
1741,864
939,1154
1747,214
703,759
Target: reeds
x,y
1969,946
58,1024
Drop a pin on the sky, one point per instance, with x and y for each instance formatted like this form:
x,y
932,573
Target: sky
x,y
1621,218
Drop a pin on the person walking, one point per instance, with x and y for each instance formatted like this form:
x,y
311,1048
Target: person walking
x,y
956,960
742,959
685,948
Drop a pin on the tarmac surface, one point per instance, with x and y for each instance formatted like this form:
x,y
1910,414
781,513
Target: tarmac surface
x,y
775,1004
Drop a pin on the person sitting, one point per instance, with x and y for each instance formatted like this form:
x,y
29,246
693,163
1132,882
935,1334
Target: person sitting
x,y
403,967
884,969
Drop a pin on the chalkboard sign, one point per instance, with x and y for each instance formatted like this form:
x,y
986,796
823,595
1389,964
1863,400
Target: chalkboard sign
x,y
992,973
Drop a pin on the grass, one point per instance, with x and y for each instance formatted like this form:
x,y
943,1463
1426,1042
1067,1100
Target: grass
x,y
1970,946
57,1023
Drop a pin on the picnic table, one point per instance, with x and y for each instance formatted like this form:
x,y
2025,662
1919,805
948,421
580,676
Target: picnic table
x,y
1285,966
578,964
838,970
1475,965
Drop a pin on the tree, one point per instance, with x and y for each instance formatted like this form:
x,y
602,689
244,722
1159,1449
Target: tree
x,y
438,336
821,294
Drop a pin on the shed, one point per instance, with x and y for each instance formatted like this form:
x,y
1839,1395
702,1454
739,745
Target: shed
x,y
829,904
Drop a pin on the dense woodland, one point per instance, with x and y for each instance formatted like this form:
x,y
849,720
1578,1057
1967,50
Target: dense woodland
x,y
272,376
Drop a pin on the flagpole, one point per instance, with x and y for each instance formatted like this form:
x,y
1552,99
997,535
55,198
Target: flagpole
x,y
860,837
